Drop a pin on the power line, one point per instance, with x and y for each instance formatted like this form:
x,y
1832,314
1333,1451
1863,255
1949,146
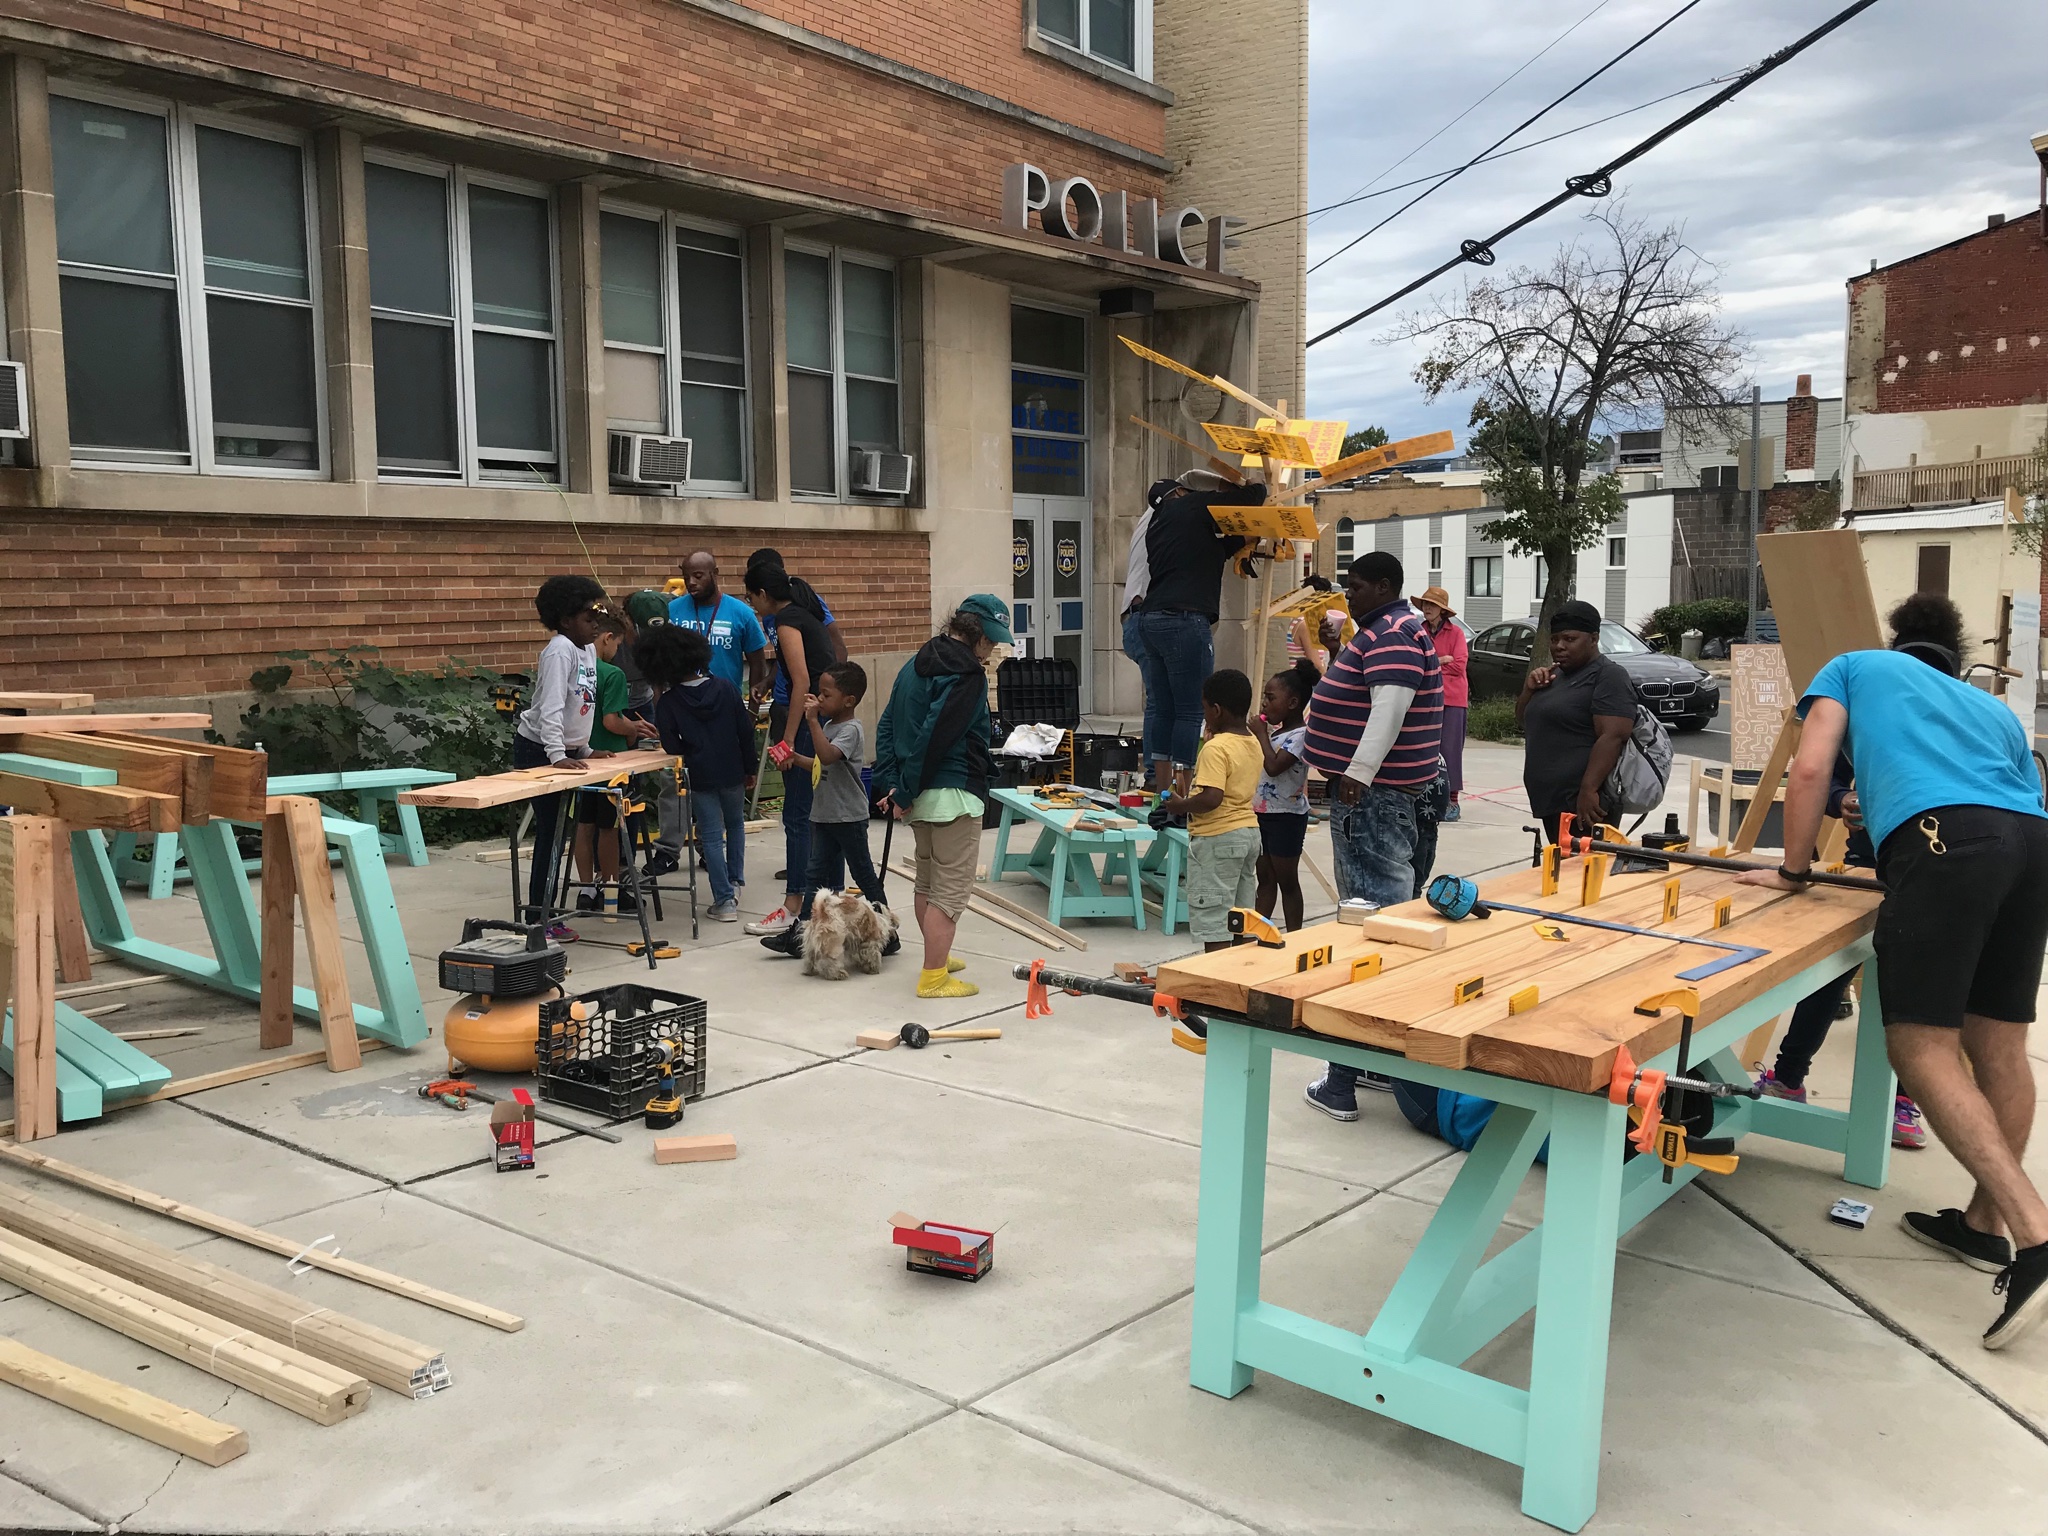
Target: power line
x,y
1496,144
1402,186
1599,183
1447,127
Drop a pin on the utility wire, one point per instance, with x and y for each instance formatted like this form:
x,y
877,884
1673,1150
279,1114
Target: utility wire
x,y
1475,106
1496,144
1402,186
1600,183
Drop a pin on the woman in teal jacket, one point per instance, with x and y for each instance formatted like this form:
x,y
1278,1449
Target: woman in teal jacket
x,y
931,768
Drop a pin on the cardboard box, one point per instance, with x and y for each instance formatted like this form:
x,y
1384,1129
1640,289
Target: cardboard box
x,y
512,1130
940,1248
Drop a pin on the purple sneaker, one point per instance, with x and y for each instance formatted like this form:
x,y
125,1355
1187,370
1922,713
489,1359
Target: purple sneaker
x,y
1907,1131
562,933
1773,1089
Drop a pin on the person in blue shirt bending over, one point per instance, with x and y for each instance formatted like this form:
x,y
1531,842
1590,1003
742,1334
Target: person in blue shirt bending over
x,y
1952,800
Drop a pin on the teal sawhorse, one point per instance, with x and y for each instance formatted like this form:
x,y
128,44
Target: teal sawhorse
x,y
1447,1304
1063,861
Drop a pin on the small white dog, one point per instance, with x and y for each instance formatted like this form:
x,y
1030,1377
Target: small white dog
x,y
846,932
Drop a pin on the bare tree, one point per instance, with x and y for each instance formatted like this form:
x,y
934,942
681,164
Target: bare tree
x,y
1621,326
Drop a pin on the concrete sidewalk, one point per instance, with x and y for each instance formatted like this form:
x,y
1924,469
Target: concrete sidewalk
x,y
736,1346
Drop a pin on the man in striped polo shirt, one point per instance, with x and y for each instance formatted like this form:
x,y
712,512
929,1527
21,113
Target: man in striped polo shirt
x,y
1373,730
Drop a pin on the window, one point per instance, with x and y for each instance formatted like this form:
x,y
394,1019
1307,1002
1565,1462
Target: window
x,y
1617,552
1436,560
1516,639
841,338
462,324
1483,576
1048,402
1933,573
1345,543
1117,32
675,340
187,289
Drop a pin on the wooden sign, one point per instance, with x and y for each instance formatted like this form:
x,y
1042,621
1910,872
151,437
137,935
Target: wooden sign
x,y
1267,522
1185,371
1325,439
1255,442
1407,451
1762,692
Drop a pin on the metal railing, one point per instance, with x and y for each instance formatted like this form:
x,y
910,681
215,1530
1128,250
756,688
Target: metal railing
x,y
1928,485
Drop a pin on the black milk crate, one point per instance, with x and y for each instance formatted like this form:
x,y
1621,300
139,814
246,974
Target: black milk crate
x,y
605,1062
1044,690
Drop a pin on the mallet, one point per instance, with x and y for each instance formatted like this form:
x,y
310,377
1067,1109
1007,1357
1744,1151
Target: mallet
x,y
917,1037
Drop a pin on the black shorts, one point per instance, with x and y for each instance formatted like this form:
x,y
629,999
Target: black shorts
x,y
1282,833
1962,931
595,809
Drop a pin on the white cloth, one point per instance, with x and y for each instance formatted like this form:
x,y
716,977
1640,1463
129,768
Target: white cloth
x,y
1382,730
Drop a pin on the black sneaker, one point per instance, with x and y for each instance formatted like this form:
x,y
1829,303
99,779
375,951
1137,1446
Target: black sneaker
x,y
629,904
589,901
660,863
789,942
1324,1096
1947,1230
1377,1081
894,946
2024,1285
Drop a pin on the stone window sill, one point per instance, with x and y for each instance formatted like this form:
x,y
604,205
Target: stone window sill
x,y
1088,64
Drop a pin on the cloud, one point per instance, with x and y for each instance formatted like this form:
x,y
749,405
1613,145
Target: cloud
x,y
1900,132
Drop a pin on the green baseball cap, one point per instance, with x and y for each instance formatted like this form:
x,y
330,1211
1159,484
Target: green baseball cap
x,y
647,607
994,614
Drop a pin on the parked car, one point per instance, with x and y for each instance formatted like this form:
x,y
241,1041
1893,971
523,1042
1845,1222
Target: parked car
x,y
1683,696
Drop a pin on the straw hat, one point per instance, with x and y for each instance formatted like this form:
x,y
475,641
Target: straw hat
x,y
1437,597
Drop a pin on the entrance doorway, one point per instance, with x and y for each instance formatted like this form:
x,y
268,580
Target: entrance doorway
x,y
1049,563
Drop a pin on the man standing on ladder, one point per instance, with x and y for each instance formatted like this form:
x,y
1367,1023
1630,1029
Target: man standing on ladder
x,y
1952,800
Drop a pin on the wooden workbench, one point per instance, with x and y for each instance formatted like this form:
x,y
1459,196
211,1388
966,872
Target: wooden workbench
x,y
1547,1067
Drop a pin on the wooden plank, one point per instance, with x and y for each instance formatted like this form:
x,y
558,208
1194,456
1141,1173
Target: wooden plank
x,y
1570,1041
1767,784
1522,886
74,949
28,966
1820,592
315,879
256,1237
388,1359
97,724
121,1407
530,783
1226,978
187,775
280,898
1036,919
239,780
694,1149
112,807
275,1372
14,698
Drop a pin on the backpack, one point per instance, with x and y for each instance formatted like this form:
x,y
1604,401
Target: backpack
x,y
1644,768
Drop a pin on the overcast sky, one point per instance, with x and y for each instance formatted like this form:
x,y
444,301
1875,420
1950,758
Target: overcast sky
x,y
1899,132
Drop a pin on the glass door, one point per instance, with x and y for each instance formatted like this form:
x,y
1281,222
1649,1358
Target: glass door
x,y
1049,560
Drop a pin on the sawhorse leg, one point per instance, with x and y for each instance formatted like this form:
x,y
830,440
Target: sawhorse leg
x,y
409,840
1868,1157
999,860
1574,1310
1237,1097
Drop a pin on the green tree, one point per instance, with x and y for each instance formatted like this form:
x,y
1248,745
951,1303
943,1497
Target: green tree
x,y
1621,326
1362,439
2030,533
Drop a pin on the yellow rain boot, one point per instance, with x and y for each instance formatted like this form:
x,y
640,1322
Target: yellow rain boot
x,y
939,984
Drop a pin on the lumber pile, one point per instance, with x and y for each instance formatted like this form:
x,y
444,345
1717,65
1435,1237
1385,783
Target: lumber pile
x,y
1005,913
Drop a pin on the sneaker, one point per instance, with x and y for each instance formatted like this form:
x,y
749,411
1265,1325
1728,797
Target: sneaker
x,y
781,874
789,942
1773,1089
895,947
1906,1128
1378,1082
1947,1230
1845,1007
774,922
1451,813
724,912
2024,1285
629,904
660,863
589,901
1326,1098
562,933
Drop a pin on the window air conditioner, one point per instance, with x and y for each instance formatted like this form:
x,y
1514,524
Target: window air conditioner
x,y
646,460
878,472
13,401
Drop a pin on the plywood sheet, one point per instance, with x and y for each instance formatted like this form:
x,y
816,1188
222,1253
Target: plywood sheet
x,y
531,783
1760,692
1820,593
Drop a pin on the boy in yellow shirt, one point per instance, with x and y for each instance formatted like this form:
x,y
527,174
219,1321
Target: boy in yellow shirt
x,y
1222,831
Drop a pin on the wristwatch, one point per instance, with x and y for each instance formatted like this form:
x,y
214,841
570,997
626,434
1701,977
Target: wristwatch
x,y
1797,877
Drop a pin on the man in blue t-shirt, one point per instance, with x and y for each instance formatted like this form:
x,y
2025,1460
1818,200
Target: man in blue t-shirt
x,y
1952,800
739,649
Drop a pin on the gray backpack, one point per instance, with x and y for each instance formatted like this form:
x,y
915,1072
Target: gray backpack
x,y
1644,768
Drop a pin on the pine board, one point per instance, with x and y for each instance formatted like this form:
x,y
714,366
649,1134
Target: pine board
x,y
150,1418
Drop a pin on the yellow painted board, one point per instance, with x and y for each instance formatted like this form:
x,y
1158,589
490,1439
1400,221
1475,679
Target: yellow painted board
x,y
1267,522
1325,439
1281,447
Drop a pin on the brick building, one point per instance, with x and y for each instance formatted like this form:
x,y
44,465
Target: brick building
x,y
331,314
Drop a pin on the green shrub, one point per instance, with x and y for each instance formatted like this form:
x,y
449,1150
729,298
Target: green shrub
x,y
1716,618
361,713
1493,720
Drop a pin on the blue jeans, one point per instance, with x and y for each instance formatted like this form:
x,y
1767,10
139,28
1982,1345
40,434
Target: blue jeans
x,y
1179,653
1134,647
547,816
1385,846
840,848
721,819
796,818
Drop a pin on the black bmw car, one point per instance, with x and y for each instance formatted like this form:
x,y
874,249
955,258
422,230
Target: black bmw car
x,y
1680,694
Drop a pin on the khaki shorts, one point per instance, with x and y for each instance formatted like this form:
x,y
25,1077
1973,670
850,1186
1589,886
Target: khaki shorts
x,y
1222,873
946,853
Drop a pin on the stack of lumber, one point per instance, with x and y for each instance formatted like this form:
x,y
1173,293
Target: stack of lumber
x,y
1005,913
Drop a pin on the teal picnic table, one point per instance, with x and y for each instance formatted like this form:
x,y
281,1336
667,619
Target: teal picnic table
x,y
1548,1065
1077,865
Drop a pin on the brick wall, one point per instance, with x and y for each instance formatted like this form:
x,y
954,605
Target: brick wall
x,y
1962,326
1802,425
140,608
673,82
